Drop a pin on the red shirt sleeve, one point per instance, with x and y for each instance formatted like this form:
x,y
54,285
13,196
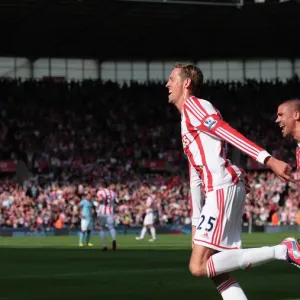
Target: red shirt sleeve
x,y
207,119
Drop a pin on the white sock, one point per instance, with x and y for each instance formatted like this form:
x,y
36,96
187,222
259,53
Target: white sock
x,y
231,260
230,290
112,232
143,232
103,238
153,233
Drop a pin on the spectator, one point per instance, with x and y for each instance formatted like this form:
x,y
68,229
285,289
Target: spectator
x,y
74,135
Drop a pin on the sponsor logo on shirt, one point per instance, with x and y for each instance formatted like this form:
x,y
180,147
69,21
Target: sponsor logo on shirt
x,y
210,123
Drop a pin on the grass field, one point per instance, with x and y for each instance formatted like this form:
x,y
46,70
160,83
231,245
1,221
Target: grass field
x,y
52,268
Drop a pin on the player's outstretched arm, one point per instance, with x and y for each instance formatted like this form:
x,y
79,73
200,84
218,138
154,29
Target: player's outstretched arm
x,y
206,118
235,138
238,140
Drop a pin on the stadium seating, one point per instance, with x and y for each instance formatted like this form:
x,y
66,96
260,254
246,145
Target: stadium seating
x,y
73,135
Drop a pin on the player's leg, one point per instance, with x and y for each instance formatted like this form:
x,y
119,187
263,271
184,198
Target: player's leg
x,y
228,287
227,261
220,229
83,227
143,233
88,233
112,231
102,223
144,229
210,232
153,233
150,223
203,263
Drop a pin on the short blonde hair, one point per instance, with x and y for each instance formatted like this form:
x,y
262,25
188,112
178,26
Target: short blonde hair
x,y
293,103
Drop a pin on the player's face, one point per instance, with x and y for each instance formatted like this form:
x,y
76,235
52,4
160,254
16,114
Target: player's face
x,y
286,119
175,86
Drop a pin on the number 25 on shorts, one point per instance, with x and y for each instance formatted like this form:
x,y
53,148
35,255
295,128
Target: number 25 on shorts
x,y
209,224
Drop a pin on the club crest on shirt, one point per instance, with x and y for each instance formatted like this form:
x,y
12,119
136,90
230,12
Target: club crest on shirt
x,y
210,123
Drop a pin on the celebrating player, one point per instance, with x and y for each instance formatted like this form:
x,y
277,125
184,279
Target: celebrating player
x,y
204,134
86,213
288,118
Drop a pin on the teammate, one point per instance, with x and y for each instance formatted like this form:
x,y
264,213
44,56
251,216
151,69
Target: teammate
x,y
204,134
288,119
105,212
148,220
86,213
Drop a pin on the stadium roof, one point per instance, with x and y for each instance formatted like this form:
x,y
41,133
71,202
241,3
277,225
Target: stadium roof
x,y
147,30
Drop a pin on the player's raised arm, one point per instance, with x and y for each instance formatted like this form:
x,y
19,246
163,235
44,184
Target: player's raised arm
x,y
205,117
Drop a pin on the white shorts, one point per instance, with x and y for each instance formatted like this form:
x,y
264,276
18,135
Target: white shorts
x,y
220,224
149,219
86,224
106,220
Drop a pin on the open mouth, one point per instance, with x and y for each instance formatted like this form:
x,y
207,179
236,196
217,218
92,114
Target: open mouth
x,y
282,126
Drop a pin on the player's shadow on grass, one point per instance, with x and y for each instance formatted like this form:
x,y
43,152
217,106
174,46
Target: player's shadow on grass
x,y
146,274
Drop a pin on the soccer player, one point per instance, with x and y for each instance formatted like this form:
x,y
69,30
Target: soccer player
x,y
105,212
288,119
86,214
217,241
148,220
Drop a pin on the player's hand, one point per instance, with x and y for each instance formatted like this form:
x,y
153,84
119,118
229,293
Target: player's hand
x,y
280,168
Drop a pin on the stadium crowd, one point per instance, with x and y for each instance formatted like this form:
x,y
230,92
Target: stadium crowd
x,y
73,136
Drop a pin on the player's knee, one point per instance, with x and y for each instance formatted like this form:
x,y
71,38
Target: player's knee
x,y
197,270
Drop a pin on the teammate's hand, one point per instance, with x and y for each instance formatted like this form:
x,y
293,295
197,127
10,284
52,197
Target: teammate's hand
x,y
280,168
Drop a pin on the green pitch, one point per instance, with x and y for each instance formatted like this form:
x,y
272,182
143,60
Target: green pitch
x,y
52,268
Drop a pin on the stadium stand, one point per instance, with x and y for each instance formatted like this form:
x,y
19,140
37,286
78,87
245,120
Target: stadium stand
x,y
55,131
73,136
